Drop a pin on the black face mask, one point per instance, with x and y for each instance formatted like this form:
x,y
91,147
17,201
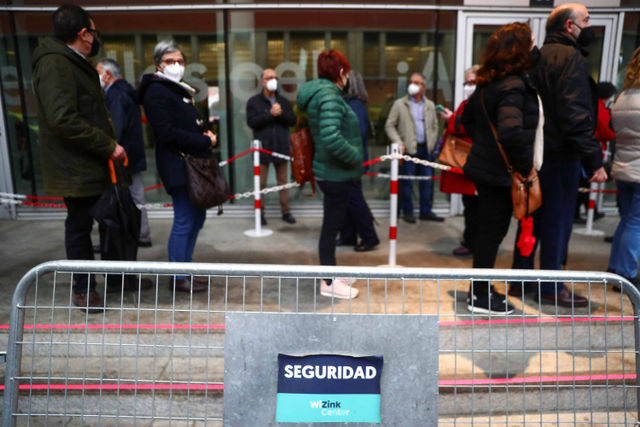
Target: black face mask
x,y
95,47
345,89
534,56
587,35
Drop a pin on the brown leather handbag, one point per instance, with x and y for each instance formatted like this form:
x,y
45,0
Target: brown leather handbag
x,y
207,184
302,151
454,152
525,192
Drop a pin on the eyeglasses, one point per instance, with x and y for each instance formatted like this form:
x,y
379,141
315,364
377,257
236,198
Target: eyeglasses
x,y
171,62
94,33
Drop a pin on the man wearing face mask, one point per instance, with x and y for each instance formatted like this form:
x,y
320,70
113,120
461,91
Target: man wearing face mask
x,y
76,135
122,101
569,98
413,124
270,115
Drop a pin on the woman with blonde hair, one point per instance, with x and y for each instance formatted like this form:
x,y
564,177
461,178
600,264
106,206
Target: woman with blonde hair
x,y
625,114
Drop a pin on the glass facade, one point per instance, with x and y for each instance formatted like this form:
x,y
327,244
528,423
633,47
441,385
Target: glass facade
x,y
385,46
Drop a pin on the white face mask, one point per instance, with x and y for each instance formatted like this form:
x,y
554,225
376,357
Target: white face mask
x,y
174,72
413,89
272,85
102,83
468,91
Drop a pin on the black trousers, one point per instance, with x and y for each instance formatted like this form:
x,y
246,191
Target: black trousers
x,y
469,237
358,221
495,209
338,200
77,239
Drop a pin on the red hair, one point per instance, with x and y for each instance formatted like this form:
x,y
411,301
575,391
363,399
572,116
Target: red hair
x,y
330,62
506,53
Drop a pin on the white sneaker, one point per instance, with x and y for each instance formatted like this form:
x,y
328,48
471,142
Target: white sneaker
x,y
339,288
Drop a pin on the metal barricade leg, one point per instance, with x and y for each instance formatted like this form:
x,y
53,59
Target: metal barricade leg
x,y
14,350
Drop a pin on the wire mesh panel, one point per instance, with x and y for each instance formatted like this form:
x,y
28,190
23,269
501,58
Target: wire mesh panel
x,y
155,356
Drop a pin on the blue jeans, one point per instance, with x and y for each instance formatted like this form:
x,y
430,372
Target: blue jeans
x,y
426,187
625,249
553,221
187,223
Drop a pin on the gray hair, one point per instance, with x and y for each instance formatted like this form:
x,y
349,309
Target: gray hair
x,y
357,88
164,47
424,79
112,66
473,70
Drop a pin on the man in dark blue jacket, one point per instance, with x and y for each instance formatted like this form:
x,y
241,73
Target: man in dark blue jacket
x,y
122,102
567,90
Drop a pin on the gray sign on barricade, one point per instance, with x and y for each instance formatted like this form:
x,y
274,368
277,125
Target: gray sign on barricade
x,y
408,344
157,357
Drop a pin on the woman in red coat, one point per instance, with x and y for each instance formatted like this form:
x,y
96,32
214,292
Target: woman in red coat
x,y
457,184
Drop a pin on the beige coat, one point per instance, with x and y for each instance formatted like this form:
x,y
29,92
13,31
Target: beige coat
x,y
401,128
626,122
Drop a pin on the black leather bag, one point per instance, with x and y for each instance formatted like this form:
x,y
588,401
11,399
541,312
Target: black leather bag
x,y
208,186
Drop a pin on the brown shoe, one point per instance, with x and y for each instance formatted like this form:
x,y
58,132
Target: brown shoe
x,y
565,299
95,303
184,285
202,279
130,284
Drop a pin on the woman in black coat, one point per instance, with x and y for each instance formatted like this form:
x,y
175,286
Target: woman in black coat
x,y
170,109
506,97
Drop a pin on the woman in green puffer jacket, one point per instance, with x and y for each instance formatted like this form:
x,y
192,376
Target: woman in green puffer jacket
x,y
337,163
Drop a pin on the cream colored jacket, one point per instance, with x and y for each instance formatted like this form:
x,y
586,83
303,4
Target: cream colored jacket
x,y
626,123
401,128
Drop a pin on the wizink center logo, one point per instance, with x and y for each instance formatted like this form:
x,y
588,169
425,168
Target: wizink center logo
x,y
329,389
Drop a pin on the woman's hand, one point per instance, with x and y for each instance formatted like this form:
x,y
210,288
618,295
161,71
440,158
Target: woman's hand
x,y
214,139
446,114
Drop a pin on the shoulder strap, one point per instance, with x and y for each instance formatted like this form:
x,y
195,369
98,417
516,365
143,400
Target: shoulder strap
x,y
495,134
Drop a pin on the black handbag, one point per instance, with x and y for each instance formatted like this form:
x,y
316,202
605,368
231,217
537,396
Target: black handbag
x,y
207,184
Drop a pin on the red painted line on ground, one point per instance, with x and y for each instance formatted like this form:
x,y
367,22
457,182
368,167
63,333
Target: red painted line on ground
x,y
568,378
442,323
98,387
128,326
454,383
535,320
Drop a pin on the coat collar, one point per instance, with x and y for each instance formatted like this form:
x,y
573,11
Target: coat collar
x,y
563,39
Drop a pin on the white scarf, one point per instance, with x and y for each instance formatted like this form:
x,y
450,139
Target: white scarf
x,y
538,144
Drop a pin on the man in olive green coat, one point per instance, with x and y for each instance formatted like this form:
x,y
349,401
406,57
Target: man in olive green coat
x,y
76,135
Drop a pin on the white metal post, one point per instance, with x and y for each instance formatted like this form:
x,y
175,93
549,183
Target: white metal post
x,y
393,205
258,231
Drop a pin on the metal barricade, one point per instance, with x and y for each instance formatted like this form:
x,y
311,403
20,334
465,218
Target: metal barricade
x,y
155,357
